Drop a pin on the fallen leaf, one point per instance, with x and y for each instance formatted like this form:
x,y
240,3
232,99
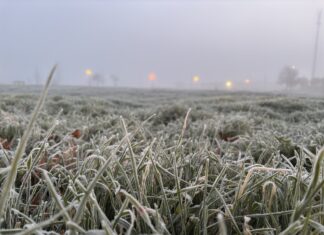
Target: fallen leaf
x,y
76,133
5,144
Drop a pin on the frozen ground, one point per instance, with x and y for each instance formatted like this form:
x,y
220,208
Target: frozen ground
x,y
240,160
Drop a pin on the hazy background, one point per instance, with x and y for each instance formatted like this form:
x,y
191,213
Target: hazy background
x,y
217,40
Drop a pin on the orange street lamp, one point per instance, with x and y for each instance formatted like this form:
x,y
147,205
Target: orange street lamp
x,y
151,77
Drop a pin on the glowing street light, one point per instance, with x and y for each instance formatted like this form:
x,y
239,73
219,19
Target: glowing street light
x,y
151,77
247,81
90,76
88,72
195,79
229,84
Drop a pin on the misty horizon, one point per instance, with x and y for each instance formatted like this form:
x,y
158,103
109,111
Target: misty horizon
x,y
217,41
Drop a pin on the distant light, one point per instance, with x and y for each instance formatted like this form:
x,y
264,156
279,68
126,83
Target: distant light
x,y
247,81
195,79
88,72
152,77
229,84
293,67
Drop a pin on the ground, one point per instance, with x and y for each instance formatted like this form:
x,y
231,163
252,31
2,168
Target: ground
x,y
179,162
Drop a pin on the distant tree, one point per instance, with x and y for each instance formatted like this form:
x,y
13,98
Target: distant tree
x,y
288,77
97,79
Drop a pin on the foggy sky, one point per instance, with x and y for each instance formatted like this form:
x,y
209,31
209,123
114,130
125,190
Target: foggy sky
x,y
217,40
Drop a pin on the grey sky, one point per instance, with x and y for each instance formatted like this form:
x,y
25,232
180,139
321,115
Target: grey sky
x,y
217,40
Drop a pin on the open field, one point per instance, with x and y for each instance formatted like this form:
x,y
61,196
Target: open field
x,y
103,161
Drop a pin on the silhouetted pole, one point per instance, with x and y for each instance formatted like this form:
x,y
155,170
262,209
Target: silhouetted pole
x,y
316,44
115,80
37,77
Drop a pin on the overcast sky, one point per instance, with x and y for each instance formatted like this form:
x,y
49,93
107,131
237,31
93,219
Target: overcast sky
x,y
217,40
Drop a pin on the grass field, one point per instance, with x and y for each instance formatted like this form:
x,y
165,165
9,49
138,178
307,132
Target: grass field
x,y
103,161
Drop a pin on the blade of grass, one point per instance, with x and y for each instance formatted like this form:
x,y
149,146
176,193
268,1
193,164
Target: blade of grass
x,y
11,177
